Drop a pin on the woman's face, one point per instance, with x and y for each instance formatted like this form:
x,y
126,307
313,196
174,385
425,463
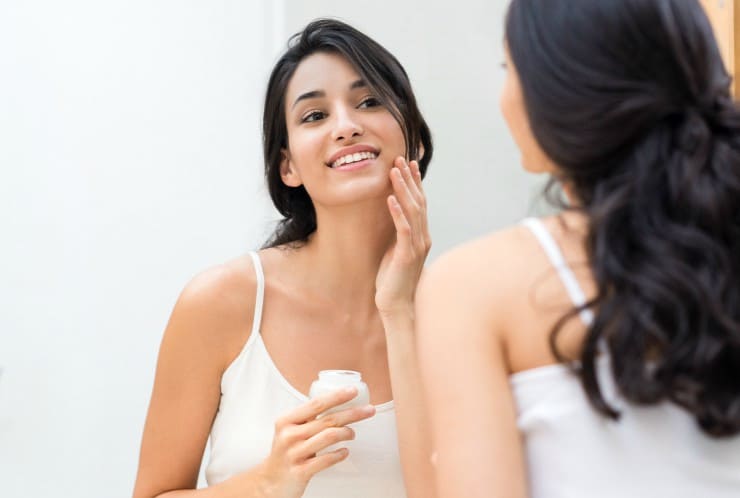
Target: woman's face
x,y
341,140
533,158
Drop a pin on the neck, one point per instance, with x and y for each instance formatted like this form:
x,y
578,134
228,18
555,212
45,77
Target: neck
x,y
342,257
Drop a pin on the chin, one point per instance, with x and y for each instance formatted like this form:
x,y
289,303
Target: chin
x,y
360,190
535,168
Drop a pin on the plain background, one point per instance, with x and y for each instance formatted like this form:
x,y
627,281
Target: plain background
x,y
130,160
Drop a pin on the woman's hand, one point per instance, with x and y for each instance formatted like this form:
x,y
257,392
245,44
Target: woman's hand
x,y
300,436
402,264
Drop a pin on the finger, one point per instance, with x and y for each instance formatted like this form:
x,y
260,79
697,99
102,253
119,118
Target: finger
x,y
323,461
416,173
321,441
409,179
404,196
338,419
421,199
414,186
414,215
403,229
426,238
320,404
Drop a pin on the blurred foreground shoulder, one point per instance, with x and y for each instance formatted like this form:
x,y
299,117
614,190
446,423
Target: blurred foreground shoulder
x,y
482,272
464,303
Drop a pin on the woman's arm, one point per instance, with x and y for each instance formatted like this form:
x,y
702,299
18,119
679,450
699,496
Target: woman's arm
x,y
462,305
413,428
396,289
204,334
186,393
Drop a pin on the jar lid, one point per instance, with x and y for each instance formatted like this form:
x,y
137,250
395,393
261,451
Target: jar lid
x,y
340,377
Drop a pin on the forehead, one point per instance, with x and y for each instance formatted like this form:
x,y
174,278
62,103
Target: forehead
x,y
321,71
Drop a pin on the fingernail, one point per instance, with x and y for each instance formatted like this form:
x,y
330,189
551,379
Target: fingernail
x,y
350,390
368,409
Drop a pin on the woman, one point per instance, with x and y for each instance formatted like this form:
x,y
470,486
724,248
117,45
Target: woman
x,y
597,352
332,289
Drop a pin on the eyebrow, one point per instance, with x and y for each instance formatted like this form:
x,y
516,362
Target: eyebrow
x,y
315,94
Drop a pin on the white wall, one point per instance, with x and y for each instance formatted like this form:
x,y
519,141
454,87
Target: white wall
x,y
130,160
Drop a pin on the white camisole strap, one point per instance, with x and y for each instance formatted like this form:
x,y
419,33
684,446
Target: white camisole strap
x,y
259,301
555,256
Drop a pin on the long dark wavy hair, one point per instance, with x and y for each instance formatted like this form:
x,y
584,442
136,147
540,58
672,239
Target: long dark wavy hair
x,y
383,75
630,98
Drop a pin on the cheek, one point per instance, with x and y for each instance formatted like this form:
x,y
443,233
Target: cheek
x,y
503,102
306,141
533,158
304,147
393,136
508,105
510,109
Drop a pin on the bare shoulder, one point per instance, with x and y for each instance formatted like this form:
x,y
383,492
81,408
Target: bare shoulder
x,y
207,328
495,261
510,258
493,279
222,288
214,311
505,286
464,301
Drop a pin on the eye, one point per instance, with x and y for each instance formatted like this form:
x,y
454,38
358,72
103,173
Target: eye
x,y
369,102
312,116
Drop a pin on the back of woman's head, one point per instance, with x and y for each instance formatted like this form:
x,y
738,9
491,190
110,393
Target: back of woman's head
x,y
630,99
383,75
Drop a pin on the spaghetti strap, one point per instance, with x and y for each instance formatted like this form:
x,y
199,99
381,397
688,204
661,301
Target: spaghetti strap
x,y
555,256
259,301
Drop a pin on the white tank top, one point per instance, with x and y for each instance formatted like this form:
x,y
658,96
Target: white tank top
x,y
254,394
574,452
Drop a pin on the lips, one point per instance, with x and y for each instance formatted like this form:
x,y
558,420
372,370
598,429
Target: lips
x,y
353,154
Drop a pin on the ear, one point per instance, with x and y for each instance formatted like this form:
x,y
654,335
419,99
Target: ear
x,y
288,173
421,151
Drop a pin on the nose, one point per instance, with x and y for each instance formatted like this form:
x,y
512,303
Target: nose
x,y
346,125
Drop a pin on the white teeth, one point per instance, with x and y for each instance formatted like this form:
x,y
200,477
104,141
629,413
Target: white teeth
x,y
353,158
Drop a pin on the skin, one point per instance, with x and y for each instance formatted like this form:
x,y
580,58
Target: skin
x,y
344,300
498,326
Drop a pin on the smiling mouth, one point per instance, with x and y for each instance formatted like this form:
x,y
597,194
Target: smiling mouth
x,y
352,158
